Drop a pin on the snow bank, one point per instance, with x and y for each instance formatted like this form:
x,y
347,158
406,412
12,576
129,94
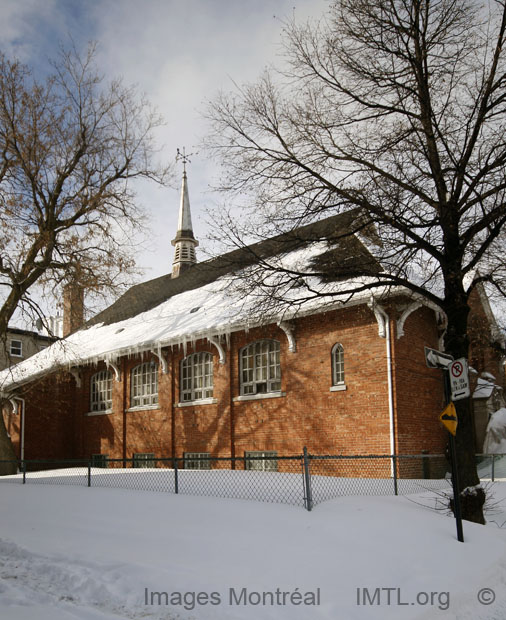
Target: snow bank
x,y
73,553
495,435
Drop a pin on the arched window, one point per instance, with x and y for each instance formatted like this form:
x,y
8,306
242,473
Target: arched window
x,y
197,377
260,367
144,385
101,391
337,364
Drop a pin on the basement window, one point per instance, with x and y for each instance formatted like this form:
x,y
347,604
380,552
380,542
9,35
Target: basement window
x,y
144,460
197,460
261,461
99,460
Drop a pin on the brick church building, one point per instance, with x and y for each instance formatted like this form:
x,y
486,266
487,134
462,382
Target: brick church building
x,y
182,366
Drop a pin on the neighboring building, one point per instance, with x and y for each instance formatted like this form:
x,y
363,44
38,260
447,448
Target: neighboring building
x,y
180,366
488,397
21,344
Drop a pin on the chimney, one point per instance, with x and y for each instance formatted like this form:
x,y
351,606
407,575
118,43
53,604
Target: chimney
x,y
73,308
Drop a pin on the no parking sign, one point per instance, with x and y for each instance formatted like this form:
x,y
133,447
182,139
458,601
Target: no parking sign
x,y
459,379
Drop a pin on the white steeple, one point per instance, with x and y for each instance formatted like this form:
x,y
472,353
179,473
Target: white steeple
x,y
184,241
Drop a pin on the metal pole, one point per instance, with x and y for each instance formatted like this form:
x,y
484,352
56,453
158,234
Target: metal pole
x,y
394,469
307,477
176,478
493,467
89,474
24,471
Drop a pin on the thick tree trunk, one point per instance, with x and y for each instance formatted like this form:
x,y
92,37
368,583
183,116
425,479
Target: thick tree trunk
x,y
472,496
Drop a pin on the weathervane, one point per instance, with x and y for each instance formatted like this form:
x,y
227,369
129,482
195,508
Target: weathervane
x,y
184,158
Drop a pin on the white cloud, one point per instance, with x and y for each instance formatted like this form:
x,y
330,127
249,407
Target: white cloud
x,y
178,53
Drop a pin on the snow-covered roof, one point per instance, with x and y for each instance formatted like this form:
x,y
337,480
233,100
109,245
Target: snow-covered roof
x,y
207,301
485,386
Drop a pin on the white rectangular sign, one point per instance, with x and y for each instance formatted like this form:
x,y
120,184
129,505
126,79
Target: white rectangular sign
x,y
459,379
437,359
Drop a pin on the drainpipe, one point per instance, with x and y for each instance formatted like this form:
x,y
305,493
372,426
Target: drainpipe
x,y
385,328
23,411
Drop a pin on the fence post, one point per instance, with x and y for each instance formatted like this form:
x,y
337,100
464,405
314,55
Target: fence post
x,y
307,478
176,477
425,465
493,467
89,474
394,473
23,469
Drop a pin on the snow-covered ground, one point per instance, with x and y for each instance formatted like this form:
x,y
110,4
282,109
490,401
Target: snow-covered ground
x,y
72,552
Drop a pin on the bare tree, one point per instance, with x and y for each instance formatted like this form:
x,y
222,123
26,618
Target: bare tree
x,y
70,146
396,108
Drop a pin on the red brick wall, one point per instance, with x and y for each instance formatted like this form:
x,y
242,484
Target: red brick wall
x,y
49,419
419,391
353,421
484,356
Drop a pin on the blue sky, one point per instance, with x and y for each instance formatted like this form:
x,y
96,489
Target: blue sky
x,y
179,52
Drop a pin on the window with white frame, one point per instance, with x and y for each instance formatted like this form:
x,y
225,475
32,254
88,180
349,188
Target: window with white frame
x,y
144,460
337,364
16,348
197,377
261,461
197,460
101,391
261,367
144,385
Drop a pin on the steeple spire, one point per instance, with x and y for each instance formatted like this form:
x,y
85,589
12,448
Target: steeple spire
x,y
184,241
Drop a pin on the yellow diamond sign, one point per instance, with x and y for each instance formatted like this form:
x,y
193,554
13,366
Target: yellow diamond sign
x,y
449,418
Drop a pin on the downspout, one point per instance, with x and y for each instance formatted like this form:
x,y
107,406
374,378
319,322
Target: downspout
x,y
172,405
23,415
124,406
231,408
385,329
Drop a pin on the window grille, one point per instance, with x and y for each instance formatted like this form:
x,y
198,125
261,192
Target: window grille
x,y
101,391
260,367
99,460
197,377
144,460
16,348
144,388
337,364
197,460
262,461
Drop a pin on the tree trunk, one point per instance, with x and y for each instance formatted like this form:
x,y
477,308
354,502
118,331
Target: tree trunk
x,y
472,497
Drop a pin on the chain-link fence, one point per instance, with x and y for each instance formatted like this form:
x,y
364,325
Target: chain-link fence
x,y
301,480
